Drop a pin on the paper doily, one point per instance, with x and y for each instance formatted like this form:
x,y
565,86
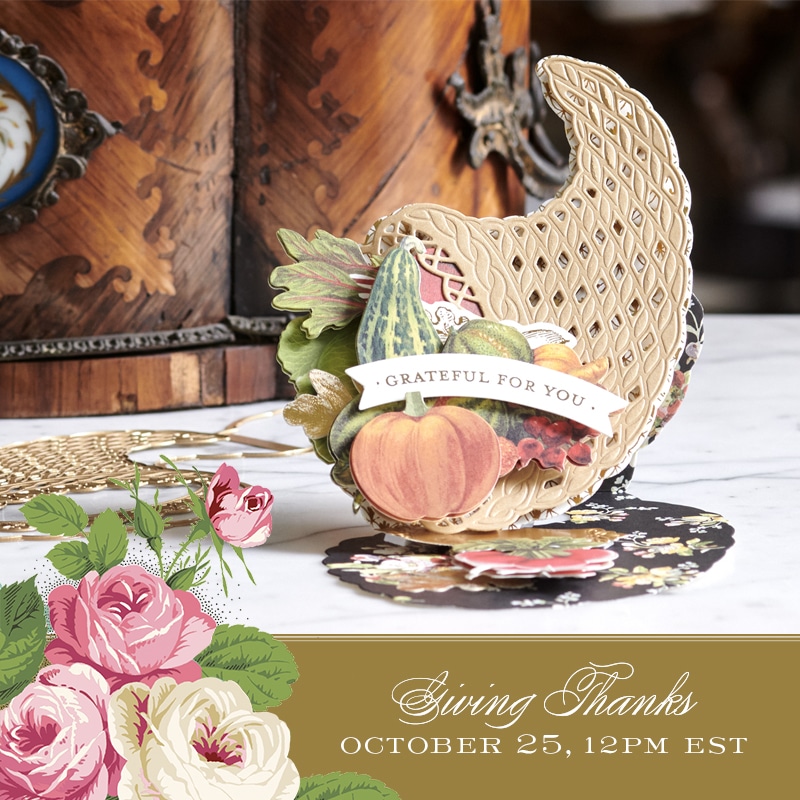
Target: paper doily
x,y
662,546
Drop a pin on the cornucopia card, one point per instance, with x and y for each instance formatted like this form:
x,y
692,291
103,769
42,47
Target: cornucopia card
x,y
478,378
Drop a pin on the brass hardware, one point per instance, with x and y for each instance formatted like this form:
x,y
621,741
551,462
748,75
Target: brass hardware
x,y
500,113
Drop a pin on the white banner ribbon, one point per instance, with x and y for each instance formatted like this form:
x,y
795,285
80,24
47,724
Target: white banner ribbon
x,y
492,377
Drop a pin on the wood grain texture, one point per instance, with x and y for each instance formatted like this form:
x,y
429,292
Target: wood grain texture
x,y
345,116
209,376
342,116
153,210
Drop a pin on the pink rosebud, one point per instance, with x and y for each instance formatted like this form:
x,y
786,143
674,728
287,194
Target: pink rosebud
x,y
54,740
130,626
241,517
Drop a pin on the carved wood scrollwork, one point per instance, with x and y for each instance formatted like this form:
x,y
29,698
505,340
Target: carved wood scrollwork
x,y
501,112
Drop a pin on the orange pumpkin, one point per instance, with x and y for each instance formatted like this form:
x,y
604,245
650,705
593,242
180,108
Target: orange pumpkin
x,y
443,463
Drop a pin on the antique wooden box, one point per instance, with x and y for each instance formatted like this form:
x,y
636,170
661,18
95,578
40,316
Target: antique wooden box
x,y
216,123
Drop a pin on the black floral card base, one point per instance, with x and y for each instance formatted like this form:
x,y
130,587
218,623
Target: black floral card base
x,y
660,547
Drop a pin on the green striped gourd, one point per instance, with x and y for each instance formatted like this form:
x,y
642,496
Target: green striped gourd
x,y
394,323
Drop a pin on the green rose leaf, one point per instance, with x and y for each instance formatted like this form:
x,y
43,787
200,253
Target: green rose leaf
x,y
322,281
260,664
344,786
108,541
22,637
203,525
56,515
71,559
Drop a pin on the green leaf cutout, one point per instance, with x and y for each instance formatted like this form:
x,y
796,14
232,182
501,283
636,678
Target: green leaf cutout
x,y
71,559
108,541
22,637
56,515
331,351
322,450
260,664
344,786
321,282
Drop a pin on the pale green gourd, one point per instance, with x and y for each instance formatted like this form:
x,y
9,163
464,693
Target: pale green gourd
x,y
394,323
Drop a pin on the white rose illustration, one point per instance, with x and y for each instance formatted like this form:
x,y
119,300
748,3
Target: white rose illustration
x,y
199,740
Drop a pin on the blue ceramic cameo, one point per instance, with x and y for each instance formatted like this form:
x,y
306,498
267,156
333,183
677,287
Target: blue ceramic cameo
x,y
46,131
29,133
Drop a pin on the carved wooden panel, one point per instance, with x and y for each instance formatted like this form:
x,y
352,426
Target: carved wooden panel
x,y
345,116
341,113
141,242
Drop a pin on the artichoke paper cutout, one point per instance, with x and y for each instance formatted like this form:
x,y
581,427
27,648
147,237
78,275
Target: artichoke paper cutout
x,y
606,261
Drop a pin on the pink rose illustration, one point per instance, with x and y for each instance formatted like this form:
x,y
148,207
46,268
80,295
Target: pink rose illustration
x,y
130,626
241,517
54,741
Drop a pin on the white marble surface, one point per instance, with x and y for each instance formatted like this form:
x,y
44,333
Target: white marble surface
x,y
733,449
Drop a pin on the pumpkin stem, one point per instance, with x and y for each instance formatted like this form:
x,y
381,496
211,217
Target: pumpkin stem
x,y
415,405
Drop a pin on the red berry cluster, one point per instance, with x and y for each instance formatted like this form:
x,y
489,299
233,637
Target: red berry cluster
x,y
551,442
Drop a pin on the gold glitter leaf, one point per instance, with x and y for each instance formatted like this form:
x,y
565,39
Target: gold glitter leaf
x,y
316,412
